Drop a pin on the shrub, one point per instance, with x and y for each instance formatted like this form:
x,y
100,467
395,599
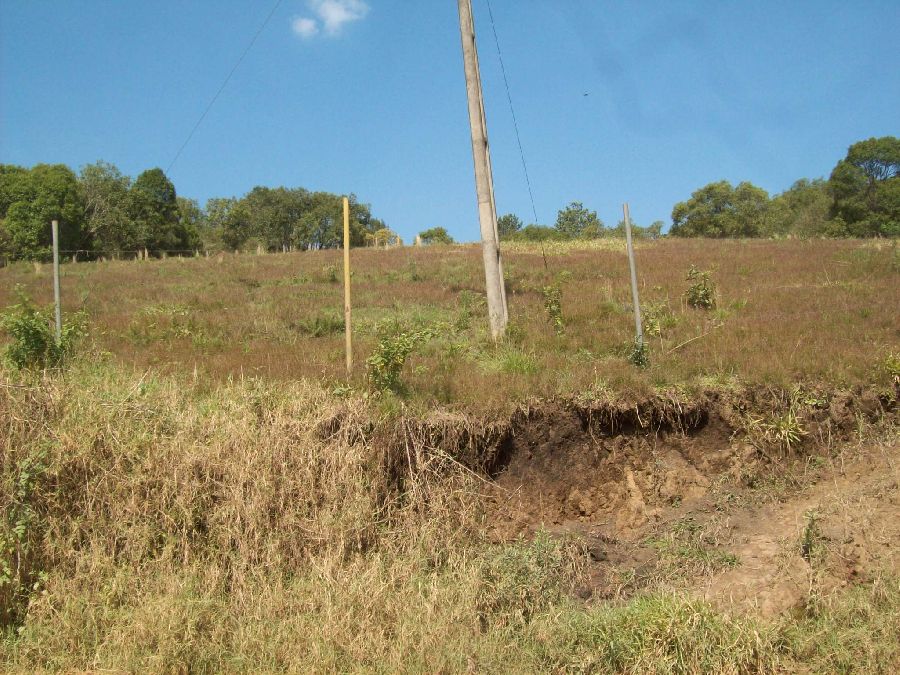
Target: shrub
x,y
639,354
702,293
891,366
386,362
33,343
20,531
553,306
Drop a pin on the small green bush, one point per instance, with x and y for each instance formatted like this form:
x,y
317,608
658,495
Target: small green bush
x,y
639,354
33,338
702,292
891,366
553,306
386,362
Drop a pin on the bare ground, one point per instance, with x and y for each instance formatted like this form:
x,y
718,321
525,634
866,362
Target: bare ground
x,y
687,501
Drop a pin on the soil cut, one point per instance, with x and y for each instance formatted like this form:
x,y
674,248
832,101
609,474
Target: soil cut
x,y
676,496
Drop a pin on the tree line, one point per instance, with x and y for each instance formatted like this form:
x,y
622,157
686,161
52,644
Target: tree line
x,y
861,198
104,212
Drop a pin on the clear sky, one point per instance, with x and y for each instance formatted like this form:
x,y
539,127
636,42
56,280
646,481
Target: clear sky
x,y
368,96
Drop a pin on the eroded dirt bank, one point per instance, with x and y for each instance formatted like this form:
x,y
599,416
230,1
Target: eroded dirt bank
x,y
750,499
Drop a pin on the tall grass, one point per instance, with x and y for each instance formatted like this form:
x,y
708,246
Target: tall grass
x,y
154,523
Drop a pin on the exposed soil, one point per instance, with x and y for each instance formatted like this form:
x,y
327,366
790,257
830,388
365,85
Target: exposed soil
x,y
674,494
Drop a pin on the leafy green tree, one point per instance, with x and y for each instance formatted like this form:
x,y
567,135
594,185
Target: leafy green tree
x,y
104,191
228,221
508,225
153,206
191,221
15,186
720,210
436,235
802,210
575,221
50,192
275,214
865,188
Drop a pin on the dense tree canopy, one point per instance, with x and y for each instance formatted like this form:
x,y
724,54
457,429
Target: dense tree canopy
x,y
865,188
508,225
33,198
720,210
860,199
103,212
104,190
577,222
435,235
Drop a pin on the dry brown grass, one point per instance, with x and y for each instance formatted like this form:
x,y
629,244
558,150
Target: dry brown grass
x,y
786,311
198,499
171,527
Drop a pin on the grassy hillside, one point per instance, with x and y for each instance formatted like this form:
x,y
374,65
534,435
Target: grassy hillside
x,y
784,311
199,491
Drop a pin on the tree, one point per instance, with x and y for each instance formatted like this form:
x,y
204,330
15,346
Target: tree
x,y
229,221
104,191
385,237
50,192
720,210
802,210
436,235
191,221
275,214
575,221
508,225
865,188
15,186
153,206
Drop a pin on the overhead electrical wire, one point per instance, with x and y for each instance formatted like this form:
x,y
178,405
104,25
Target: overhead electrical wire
x,y
224,84
512,112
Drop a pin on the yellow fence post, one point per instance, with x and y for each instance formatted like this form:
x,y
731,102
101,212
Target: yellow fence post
x,y
347,332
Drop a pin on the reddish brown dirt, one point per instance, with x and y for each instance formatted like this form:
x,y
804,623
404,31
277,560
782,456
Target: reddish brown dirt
x,y
699,507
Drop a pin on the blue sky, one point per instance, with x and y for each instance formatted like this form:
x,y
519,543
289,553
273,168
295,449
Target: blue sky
x,y
368,96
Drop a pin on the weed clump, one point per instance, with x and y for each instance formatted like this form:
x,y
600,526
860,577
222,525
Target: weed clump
x,y
387,360
640,354
702,292
553,306
34,344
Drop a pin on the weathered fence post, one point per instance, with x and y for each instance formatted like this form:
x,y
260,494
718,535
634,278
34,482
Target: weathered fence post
x,y
54,226
347,331
639,331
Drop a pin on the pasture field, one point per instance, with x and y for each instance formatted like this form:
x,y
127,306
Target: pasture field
x,y
790,311
201,489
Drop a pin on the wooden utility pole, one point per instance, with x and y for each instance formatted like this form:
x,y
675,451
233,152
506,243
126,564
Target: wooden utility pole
x,y
54,227
484,180
347,333
639,330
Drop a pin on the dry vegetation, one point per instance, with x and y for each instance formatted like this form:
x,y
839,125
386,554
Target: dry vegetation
x,y
162,513
822,311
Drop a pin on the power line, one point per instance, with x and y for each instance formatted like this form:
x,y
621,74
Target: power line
x,y
224,84
512,111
